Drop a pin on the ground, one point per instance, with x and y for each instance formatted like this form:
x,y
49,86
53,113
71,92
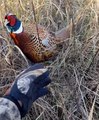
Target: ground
x,y
74,71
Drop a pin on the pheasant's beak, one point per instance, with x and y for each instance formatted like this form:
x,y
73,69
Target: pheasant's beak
x,y
6,22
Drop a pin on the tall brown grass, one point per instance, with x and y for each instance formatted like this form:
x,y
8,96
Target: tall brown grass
x,y
75,70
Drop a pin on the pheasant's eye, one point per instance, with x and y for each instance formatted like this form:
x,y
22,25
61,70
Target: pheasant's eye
x,y
12,20
9,18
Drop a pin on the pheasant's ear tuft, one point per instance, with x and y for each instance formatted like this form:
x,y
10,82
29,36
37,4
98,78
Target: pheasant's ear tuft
x,y
6,17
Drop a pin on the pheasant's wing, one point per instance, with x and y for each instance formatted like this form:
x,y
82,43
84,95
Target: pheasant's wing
x,y
32,30
47,39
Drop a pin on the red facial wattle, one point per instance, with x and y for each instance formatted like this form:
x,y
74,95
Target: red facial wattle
x,y
11,19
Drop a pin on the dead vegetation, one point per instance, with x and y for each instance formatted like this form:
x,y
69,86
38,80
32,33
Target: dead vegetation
x,y
75,70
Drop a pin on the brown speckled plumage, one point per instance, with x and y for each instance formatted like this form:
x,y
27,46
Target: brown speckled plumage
x,y
37,49
32,47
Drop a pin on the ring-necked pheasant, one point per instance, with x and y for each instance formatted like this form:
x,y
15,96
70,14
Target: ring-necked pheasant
x,y
37,49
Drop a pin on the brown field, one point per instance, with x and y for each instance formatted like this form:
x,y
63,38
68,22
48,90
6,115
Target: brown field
x,y
74,71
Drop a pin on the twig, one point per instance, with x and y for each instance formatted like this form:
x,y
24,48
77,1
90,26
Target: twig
x,y
81,93
87,70
35,19
92,108
22,6
22,54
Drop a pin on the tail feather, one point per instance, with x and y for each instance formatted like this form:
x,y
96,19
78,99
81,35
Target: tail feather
x,y
66,32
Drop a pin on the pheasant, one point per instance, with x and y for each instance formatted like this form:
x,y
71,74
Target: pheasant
x,y
36,49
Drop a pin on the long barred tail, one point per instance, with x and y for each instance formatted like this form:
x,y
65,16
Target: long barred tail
x,y
66,32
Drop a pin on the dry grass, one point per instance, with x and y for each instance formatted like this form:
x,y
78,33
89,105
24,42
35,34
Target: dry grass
x,y
75,70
